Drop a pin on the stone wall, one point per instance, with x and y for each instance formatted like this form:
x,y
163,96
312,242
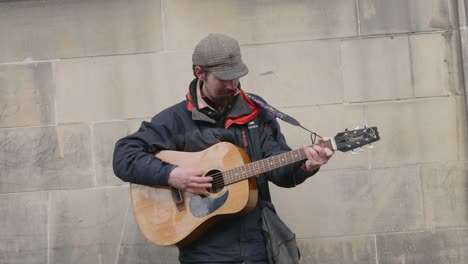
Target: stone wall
x,y
76,75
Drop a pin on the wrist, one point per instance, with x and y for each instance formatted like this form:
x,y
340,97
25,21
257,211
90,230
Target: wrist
x,y
170,171
310,169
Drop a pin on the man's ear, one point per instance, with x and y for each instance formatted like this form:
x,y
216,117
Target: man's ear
x,y
199,73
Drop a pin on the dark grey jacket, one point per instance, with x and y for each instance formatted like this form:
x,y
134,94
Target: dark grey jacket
x,y
183,127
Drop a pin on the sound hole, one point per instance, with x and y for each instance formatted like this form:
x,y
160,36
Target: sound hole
x,y
218,182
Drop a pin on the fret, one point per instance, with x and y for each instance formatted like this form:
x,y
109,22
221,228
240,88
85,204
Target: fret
x,y
261,166
257,169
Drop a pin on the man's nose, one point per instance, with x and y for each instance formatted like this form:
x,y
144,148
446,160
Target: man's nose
x,y
230,84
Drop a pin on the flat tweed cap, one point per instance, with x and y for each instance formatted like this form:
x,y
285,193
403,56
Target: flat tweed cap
x,y
220,54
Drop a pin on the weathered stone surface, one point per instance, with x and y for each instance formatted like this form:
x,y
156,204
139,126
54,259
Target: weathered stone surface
x,y
135,248
462,116
464,56
86,225
105,136
295,74
445,189
438,247
413,132
23,225
44,158
327,121
105,88
173,74
381,16
63,29
431,60
27,95
257,21
463,12
349,250
376,69
119,87
343,202
455,62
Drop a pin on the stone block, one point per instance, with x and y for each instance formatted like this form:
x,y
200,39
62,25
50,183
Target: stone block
x,y
376,69
437,247
464,47
86,225
462,13
105,88
27,95
258,21
63,29
45,158
327,121
349,250
455,60
445,189
383,17
353,202
105,136
431,58
462,116
464,56
135,248
295,73
413,132
119,87
23,225
173,74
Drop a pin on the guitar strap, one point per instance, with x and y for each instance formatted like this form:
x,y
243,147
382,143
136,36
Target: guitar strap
x,y
277,113
273,111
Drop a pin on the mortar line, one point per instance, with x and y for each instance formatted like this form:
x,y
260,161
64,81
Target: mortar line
x,y
376,249
358,18
49,205
122,232
163,24
93,154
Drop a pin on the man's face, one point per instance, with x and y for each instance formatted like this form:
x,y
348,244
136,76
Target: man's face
x,y
218,91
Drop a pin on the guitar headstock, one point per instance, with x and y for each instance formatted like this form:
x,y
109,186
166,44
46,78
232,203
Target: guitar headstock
x,y
352,139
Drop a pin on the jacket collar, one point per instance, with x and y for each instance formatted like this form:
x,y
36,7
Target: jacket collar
x,y
241,111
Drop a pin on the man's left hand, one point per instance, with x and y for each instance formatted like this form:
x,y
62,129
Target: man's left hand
x,y
316,155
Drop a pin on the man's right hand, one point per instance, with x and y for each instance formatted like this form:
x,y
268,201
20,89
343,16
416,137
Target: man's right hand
x,y
189,180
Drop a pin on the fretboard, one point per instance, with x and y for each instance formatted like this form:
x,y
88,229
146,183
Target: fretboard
x,y
258,167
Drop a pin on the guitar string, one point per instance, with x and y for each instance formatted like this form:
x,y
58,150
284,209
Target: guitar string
x,y
221,180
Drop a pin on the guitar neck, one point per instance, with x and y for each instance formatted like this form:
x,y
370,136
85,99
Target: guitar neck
x,y
265,165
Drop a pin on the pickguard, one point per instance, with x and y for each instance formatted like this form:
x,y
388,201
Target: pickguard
x,y
201,206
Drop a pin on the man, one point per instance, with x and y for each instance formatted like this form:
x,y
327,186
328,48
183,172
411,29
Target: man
x,y
215,109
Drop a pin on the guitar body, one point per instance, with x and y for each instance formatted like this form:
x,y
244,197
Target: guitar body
x,y
166,216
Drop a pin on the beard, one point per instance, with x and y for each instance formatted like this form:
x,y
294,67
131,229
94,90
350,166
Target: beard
x,y
224,100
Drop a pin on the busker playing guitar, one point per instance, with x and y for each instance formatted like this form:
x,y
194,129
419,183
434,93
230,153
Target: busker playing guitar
x,y
215,110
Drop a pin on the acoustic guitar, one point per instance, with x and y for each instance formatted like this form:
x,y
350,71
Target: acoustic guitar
x,y
167,216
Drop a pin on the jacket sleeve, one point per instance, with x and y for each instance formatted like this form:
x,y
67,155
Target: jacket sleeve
x,y
134,160
274,143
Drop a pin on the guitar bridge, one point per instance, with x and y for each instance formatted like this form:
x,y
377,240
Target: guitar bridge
x,y
178,199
